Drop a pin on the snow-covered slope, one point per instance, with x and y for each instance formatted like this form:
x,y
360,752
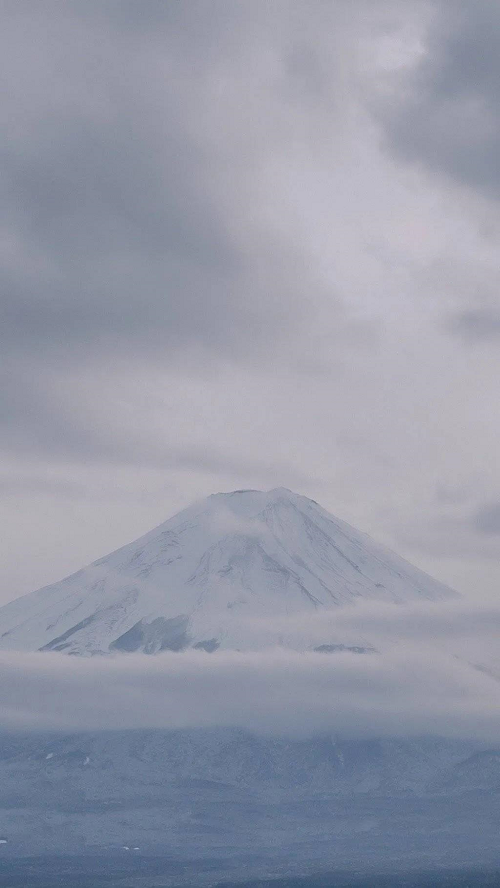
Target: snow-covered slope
x,y
208,576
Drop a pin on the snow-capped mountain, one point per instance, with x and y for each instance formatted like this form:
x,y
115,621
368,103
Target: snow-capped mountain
x,y
222,573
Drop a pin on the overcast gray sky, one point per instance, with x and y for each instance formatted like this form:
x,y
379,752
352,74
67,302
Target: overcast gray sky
x,y
249,244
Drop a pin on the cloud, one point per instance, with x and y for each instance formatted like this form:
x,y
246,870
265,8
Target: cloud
x,y
487,519
401,694
134,217
446,114
448,627
475,324
133,209
224,522
118,238
436,672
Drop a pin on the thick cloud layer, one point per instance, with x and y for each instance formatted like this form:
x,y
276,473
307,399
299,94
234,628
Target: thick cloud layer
x,y
450,118
248,244
435,671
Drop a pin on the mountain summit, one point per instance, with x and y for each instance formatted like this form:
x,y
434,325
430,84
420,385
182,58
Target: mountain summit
x,y
222,573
